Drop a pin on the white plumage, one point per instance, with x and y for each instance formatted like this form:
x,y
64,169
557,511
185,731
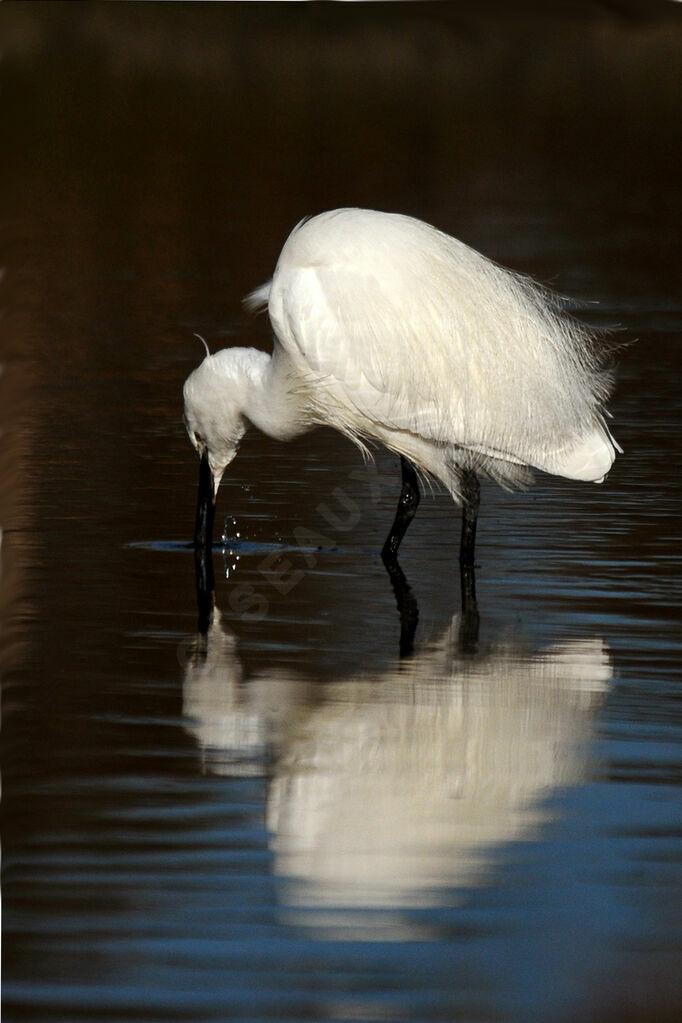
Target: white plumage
x,y
390,330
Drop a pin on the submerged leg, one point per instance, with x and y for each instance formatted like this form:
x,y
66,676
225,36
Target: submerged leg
x,y
471,495
406,602
407,507
469,623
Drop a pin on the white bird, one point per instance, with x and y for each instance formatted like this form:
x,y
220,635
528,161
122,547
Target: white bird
x,y
390,330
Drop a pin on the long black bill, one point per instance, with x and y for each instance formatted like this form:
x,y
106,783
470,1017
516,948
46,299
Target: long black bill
x,y
203,526
203,544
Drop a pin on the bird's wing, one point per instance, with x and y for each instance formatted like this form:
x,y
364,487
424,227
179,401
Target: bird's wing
x,y
414,331
371,352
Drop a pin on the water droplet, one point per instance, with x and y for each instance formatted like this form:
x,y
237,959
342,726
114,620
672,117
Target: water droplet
x,y
230,532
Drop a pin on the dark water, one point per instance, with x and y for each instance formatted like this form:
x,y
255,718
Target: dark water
x,y
283,819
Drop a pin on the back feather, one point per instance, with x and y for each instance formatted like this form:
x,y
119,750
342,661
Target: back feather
x,y
393,323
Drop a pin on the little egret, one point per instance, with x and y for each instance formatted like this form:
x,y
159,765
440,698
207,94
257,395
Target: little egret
x,y
390,330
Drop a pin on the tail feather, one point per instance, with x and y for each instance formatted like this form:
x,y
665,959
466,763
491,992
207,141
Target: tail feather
x,y
257,300
589,459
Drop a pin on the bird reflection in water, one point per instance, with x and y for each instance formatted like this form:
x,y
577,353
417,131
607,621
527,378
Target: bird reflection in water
x,y
398,784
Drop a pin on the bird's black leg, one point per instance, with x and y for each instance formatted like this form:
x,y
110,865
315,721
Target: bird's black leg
x,y
407,507
469,622
471,496
406,601
471,493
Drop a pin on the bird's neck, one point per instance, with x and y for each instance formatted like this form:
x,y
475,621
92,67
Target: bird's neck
x,y
270,401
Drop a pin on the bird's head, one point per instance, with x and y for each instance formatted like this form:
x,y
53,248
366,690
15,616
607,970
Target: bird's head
x,y
216,394
215,426
213,415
